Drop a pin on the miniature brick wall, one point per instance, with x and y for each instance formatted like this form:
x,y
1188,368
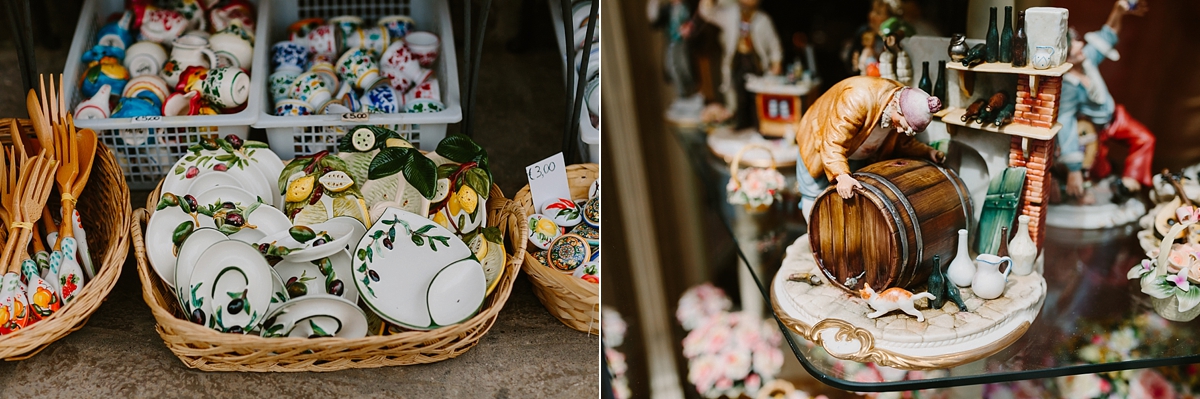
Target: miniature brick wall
x,y
1038,109
1037,176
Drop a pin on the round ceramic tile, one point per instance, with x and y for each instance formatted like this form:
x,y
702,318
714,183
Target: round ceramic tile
x,y
160,233
397,260
541,257
310,277
563,212
589,233
591,212
189,253
456,292
315,316
568,252
231,285
542,231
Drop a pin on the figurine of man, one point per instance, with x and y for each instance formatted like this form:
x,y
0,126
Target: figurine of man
x,y
751,46
1085,96
676,19
859,121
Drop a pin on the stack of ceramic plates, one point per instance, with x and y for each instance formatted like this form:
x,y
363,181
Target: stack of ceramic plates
x,y
237,264
566,235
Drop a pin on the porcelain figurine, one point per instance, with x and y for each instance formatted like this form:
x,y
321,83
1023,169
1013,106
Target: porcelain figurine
x,y
750,46
866,60
870,119
894,30
893,299
117,33
187,51
961,270
1092,103
1022,249
674,18
989,282
937,284
181,104
96,107
958,47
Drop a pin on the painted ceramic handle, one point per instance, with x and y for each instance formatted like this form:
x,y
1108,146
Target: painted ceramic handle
x,y
212,57
1010,265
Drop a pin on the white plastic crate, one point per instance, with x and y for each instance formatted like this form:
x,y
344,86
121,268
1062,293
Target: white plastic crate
x,y
146,150
290,136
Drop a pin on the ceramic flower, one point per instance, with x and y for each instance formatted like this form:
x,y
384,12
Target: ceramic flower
x,y
1179,280
767,360
1083,386
1123,341
737,363
1187,214
758,187
1148,383
701,372
700,302
613,327
753,383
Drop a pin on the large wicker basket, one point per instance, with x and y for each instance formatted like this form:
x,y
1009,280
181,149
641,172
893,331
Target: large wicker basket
x,y
105,211
573,301
205,349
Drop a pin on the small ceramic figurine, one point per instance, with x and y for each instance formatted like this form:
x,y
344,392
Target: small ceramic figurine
x,y
989,281
893,299
675,19
859,121
1085,97
867,63
750,46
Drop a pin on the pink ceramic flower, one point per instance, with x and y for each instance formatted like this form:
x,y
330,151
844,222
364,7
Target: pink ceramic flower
x,y
1083,386
1148,383
1179,280
737,363
719,337
1193,272
1187,214
767,359
1179,259
701,373
753,384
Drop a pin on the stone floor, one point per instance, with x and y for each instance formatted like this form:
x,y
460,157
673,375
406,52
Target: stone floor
x,y
527,353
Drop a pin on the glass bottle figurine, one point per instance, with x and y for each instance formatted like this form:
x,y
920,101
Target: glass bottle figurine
x,y
1006,36
925,85
1020,43
1003,251
993,39
937,284
939,87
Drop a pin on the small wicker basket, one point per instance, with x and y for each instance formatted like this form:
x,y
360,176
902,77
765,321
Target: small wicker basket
x,y
573,301
205,349
105,211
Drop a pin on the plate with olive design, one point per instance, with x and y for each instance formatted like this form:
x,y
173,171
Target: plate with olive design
x,y
397,261
316,316
321,240
329,275
189,254
165,233
231,287
219,156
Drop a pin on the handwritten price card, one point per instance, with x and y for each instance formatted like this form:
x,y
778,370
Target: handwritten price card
x,y
548,180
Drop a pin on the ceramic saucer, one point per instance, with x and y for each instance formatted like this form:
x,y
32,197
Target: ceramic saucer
x,y
314,316
160,234
568,252
267,219
542,231
209,181
591,212
312,280
231,285
279,294
397,261
189,253
456,293
342,229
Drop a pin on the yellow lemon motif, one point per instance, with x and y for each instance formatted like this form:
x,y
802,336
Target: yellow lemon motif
x,y
467,199
452,205
299,189
402,143
41,298
547,227
440,219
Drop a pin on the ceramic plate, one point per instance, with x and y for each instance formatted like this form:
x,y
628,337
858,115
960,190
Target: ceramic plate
x,y
542,231
315,316
344,230
269,166
268,220
203,162
395,264
568,252
279,294
231,285
209,181
192,248
311,280
160,248
223,194
456,292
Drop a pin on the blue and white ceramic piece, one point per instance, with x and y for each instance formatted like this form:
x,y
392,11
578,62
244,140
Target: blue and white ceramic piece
x,y
289,55
116,33
281,83
381,99
397,26
293,107
130,107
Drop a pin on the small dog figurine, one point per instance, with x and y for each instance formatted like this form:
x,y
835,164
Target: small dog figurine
x,y
895,298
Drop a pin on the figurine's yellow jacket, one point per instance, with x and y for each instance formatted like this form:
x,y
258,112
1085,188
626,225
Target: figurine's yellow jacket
x,y
842,118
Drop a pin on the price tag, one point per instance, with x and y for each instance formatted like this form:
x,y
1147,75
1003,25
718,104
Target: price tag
x,y
144,119
355,117
548,180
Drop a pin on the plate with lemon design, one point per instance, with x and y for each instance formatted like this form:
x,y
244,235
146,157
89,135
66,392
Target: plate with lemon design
x,y
317,188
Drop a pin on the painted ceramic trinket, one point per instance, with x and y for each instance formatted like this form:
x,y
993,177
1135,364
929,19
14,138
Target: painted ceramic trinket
x,y
568,252
542,231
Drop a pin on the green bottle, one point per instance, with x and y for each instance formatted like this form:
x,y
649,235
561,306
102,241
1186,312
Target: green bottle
x,y
1006,36
937,284
925,84
939,87
993,39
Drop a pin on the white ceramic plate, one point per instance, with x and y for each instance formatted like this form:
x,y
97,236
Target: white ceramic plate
x,y
248,176
344,230
189,253
456,292
160,250
317,315
309,273
232,285
279,295
395,281
268,219
219,195
208,181
269,166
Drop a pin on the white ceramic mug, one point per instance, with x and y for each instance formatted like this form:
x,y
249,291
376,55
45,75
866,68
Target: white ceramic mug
x,y
144,58
309,87
226,87
424,46
281,84
232,50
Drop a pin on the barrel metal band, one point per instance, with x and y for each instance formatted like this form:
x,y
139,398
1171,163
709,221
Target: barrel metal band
x,y
895,215
964,200
912,215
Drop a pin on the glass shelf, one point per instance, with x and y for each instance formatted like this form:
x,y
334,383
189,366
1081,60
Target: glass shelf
x,y
1088,299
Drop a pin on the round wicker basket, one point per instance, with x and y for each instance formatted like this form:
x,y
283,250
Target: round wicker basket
x,y
201,348
573,301
105,211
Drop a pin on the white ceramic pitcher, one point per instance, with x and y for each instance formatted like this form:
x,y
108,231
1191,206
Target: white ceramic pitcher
x,y
989,281
188,51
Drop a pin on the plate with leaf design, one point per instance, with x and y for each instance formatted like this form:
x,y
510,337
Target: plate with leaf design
x,y
279,294
396,262
231,286
329,275
217,156
316,316
207,181
189,253
321,240
165,232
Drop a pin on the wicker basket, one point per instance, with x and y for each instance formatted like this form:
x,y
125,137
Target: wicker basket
x,y
573,301
205,349
104,208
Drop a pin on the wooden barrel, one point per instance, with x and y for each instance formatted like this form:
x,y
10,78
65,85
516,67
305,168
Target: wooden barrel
x,y
906,212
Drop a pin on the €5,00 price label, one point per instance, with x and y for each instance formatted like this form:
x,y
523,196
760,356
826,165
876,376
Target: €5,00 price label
x,y
548,180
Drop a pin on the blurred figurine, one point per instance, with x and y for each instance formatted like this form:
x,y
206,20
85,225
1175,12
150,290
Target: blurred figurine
x,y
751,47
859,121
894,30
804,65
867,63
881,10
675,18
1086,101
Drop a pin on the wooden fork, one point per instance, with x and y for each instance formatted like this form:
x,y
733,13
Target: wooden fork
x,y
68,155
